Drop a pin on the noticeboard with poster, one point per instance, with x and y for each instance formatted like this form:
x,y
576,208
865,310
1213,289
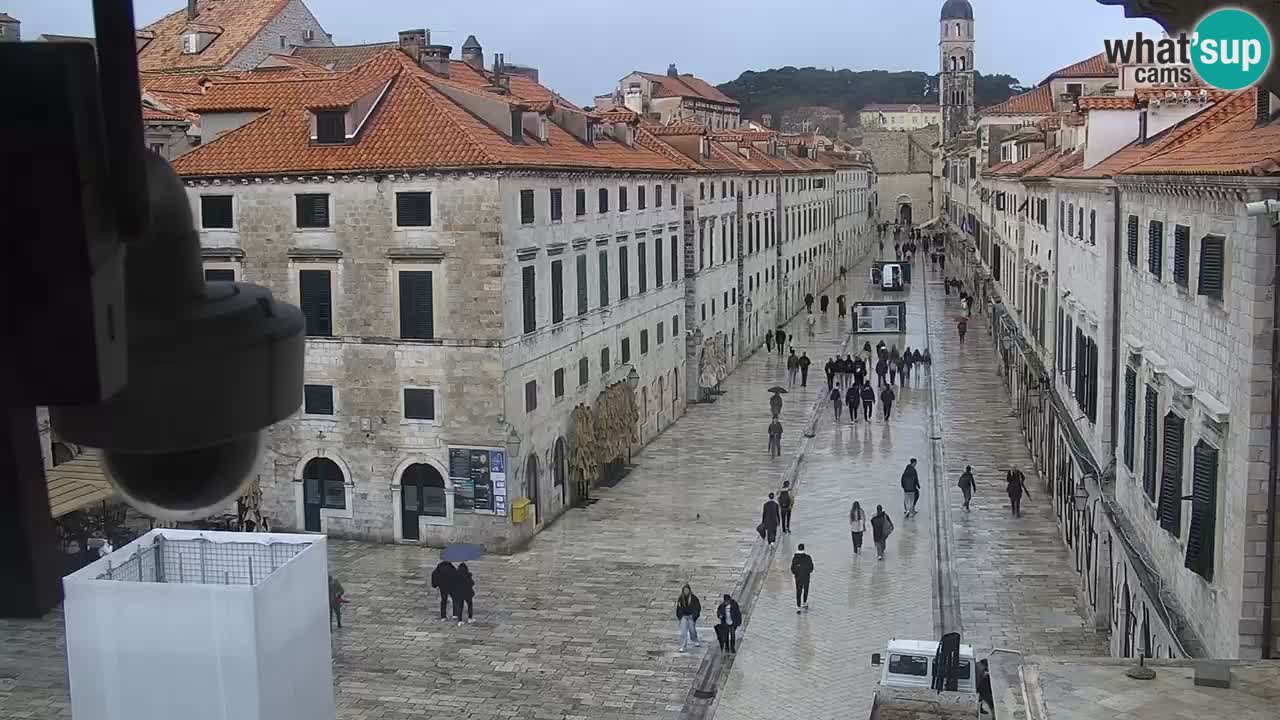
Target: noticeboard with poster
x,y
880,318
479,479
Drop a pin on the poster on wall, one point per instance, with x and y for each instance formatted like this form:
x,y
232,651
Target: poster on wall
x,y
479,479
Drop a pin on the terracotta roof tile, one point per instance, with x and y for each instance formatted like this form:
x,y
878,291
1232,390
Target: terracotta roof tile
x,y
1054,165
1096,66
1213,94
236,23
1108,102
341,57
1229,144
683,128
1033,102
1017,168
686,85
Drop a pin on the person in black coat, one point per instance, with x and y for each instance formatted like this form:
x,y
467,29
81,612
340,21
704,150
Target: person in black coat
x,y
802,570
770,519
688,610
730,617
882,369
910,489
859,370
804,369
463,591
442,580
851,399
868,399
830,369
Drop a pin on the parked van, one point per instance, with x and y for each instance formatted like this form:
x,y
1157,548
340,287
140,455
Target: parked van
x,y
912,664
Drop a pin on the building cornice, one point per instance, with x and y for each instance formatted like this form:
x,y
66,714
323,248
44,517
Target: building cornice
x,y
1216,186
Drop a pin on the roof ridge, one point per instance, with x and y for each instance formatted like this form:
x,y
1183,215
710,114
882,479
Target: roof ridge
x,y
1200,125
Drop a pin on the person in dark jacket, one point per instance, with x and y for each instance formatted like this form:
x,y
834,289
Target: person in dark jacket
x,y
823,304
768,340
808,301
887,396
1016,486
775,437
837,401
910,489
770,519
780,339
336,600
688,610
882,369
793,367
847,366
802,569
851,399
881,528
775,405
442,580
804,369
786,501
840,303
868,399
830,369
730,617
463,591
962,327
967,486
859,370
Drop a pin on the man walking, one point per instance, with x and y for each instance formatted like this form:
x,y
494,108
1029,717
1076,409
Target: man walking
x,y
785,503
837,401
962,327
1016,486
775,437
771,518
830,369
442,580
967,485
851,399
868,399
804,369
881,527
730,617
810,320
887,396
768,340
780,339
336,600
802,569
793,367
910,489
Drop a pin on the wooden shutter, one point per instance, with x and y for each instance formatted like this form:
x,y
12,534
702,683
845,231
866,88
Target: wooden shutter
x,y
1091,401
1132,240
1149,443
526,207
642,261
557,291
1170,504
657,196
584,371
219,275
580,202
1093,227
557,204
624,281
1130,414
557,382
529,297
640,197
215,211
413,209
582,284
312,210
1212,260
417,312
331,127
1155,248
1202,534
317,302
1181,254
317,399
622,199
644,342
531,396
603,197
604,278
657,259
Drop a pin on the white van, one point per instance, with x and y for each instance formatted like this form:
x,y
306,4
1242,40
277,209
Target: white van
x,y
910,664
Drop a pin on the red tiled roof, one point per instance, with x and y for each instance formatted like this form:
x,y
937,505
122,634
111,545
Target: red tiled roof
x,y
1108,102
1033,102
686,85
295,62
1213,94
1054,164
1017,168
682,128
341,57
900,107
1228,144
236,23
1096,66
1053,122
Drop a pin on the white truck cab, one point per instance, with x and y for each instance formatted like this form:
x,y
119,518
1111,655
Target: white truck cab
x,y
910,664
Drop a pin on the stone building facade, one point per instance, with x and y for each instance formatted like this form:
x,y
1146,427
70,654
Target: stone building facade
x,y
671,98
217,35
904,168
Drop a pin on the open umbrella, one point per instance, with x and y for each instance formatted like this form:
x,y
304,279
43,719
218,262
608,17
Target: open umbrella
x,y
461,552
777,390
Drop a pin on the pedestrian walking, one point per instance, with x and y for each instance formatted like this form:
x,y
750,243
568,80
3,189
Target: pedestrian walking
x,y
808,302
768,340
868,399
859,370
1016,486
962,327
793,368
857,526
881,528
887,396
688,609
337,598
771,518
823,303
810,320
837,401
968,305
463,593
780,339
848,367
897,251
775,405
910,489
442,580
851,399
802,570
882,369
775,437
840,302
830,369
786,501
804,368
967,486
730,616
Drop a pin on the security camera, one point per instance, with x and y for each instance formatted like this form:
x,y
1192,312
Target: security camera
x,y
209,366
1262,207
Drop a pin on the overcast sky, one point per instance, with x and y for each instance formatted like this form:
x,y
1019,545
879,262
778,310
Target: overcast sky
x,y
583,47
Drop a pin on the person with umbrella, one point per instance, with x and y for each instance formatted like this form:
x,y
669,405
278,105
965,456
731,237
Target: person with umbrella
x,y
463,592
775,402
442,580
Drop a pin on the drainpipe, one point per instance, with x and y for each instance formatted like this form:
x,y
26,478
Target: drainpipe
x,y
1116,354
1268,573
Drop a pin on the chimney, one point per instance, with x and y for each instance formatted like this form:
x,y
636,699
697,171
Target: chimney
x,y
473,54
1264,105
517,124
1142,127
671,71
191,10
413,41
435,59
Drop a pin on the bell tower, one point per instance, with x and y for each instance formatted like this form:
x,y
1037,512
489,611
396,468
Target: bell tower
x,y
956,81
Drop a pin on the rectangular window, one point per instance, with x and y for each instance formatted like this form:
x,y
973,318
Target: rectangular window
x,y
624,272
529,297
1169,508
604,278
1132,240
557,291
1130,414
673,194
417,314
1093,227
317,302
419,404
657,260
1212,265
526,207
603,200
1155,248
622,199
1202,534
581,266
640,198
413,209
604,361
313,210
644,342
642,266
531,396
661,335
1091,389
1181,255
973,167
584,371
657,196
1149,442
215,212
219,275
317,399
557,205
626,349
557,382
331,126
675,326
579,202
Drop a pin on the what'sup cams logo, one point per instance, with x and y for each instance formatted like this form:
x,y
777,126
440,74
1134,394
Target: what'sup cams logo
x,y
1230,49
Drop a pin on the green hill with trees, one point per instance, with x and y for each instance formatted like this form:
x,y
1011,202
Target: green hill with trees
x,y
778,90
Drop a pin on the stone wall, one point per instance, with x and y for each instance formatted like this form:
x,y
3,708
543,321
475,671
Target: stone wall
x,y
280,35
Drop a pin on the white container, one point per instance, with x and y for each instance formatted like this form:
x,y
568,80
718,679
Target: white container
x,y
190,625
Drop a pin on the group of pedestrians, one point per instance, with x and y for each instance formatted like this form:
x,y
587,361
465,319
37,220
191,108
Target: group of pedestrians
x,y
689,610
456,584
798,365
777,337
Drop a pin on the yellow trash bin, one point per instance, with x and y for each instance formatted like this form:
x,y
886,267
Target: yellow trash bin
x,y
520,510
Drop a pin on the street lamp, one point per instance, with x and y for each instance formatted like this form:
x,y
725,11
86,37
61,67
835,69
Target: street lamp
x,y
633,378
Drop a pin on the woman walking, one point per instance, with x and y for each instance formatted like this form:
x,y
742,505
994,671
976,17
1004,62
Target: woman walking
x,y
463,591
967,486
687,611
1016,486
881,527
837,401
857,526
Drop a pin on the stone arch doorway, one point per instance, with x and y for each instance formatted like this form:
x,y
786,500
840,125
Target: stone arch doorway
x,y
904,210
323,486
560,467
531,486
423,492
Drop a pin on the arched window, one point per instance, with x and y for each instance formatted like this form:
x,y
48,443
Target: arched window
x,y
958,30
962,63
325,484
